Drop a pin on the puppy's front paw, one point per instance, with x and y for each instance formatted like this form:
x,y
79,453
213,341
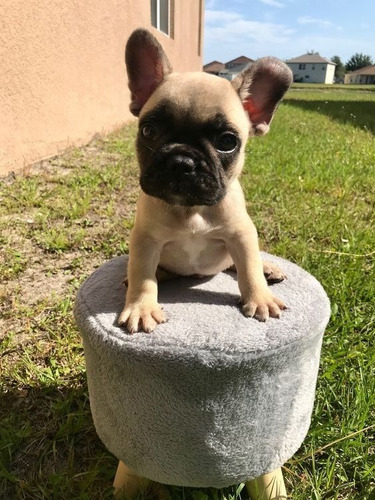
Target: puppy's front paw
x,y
141,316
262,306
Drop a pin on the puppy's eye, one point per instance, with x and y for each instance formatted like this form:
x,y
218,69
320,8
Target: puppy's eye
x,y
149,132
226,142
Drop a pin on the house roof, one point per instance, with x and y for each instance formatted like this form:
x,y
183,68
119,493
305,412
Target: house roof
x,y
367,70
213,66
240,60
219,67
311,58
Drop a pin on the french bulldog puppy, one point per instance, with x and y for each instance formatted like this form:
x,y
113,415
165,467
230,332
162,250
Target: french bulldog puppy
x,y
191,215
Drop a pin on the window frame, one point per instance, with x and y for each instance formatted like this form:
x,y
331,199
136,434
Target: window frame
x,y
157,24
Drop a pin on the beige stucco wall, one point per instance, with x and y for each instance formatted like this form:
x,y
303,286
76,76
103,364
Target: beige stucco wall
x,y
62,74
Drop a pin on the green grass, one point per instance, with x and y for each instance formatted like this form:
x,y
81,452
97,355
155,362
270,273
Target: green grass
x,y
310,190
346,107
332,87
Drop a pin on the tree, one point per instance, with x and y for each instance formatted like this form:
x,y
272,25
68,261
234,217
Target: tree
x,y
358,61
340,68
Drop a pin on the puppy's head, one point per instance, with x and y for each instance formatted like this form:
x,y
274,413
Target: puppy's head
x,y
193,127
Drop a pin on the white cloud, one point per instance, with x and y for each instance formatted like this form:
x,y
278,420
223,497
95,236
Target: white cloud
x,y
231,33
313,20
328,46
220,16
273,3
230,27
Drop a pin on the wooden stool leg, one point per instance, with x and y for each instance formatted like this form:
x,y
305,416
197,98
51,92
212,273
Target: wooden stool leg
x,y
127,484
267,487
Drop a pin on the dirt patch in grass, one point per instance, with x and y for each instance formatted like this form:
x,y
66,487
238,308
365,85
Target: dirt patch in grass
x,y
45,253
59,220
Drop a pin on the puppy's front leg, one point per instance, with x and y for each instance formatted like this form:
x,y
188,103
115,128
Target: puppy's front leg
x,y
142,310
256,298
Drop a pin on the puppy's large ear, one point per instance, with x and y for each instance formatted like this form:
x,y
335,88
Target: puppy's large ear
x,y
261,87
146,65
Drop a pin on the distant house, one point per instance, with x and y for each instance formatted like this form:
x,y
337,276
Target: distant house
x,y
214,67
230,69
312,68
238,64
361,76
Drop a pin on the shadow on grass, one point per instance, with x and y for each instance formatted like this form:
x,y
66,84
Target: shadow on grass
x,y
360,114
49,447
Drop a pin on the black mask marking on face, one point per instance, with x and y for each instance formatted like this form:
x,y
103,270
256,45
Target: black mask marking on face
x,y
185,160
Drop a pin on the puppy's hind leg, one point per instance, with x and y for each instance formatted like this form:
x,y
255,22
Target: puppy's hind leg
x,y
161,275
164,275
271,271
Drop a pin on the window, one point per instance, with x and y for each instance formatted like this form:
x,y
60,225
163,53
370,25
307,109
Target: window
x,y
160,15
302,66
323,68
313,67
199,28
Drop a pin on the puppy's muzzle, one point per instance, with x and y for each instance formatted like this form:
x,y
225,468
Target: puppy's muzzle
x,y
184,176
183,163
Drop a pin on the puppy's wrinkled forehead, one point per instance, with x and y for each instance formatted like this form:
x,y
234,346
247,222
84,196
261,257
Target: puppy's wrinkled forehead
x,y
197,99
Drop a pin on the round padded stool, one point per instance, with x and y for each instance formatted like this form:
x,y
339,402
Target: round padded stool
x,y
210,398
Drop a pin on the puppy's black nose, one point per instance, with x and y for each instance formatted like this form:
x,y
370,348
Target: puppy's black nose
x,y
182,163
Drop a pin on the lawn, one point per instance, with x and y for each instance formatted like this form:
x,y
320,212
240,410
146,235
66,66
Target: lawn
x,y
334,87
311,192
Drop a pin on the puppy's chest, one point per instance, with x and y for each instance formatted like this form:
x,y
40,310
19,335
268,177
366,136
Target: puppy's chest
x,y
194,246
196,225
195,238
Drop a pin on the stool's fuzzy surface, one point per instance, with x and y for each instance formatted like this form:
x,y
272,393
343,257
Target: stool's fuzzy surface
x,y
211,398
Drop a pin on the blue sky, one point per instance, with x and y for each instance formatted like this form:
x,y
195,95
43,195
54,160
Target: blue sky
x,y
288,28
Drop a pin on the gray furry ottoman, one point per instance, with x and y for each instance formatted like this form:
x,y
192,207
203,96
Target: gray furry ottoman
x,y
211,398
